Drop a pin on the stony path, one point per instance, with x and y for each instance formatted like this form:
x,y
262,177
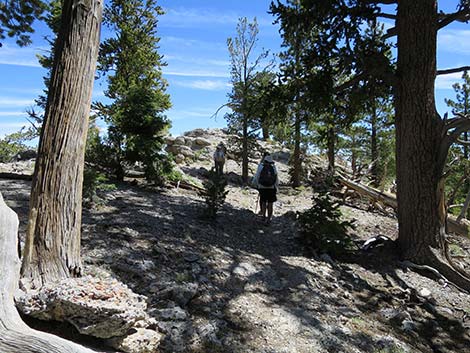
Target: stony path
x,y
238,286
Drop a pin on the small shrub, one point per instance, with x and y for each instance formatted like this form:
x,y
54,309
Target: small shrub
x,y
13,144
93,183
321,228
214,193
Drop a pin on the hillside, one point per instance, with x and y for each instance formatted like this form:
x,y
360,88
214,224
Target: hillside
x,y
235,285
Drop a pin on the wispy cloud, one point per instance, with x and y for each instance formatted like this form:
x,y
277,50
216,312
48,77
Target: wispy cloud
x,y
208,85
180,17
13,113
175,114
20,56
24,91
195,73
454,41
446,81
12,125
15,102
198,60
190,17
181,43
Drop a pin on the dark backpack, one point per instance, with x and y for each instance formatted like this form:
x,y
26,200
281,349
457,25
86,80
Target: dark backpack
x,y
219,156
267,177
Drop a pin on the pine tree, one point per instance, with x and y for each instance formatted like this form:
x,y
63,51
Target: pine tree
x,y
245,65
423,138
17,17
133,66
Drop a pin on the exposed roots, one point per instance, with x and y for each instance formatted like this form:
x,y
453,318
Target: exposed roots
x,y
441,265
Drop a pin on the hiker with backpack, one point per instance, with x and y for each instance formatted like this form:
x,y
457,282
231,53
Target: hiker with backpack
x,y
219,158
267,182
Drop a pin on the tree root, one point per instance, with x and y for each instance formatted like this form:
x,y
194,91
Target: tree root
x,y
441,265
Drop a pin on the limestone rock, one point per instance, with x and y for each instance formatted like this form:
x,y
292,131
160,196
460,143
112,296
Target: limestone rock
x,y
179,158
180,141
101,308
203,142
140,341
186,151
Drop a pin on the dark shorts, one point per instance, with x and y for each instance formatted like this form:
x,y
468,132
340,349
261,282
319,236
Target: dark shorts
x,y
267,195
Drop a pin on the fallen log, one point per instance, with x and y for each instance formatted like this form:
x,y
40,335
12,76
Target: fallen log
x,y
373,194
187,186
16,176
461,228
15,335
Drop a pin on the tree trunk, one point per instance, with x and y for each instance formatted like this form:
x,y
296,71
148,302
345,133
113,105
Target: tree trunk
x,y
418,128
453,195
354,161
265,130
374,153
421,206
297,163
465,207
245,150
15,335
331,149
52,247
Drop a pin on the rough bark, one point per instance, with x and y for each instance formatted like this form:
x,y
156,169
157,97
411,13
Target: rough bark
x,y
331,149
420,182
265,130
245,149
418,128
374,152
297,164
15,335
465,207
52,247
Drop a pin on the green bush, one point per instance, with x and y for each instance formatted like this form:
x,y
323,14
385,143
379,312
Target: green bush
x,y
214,193
94,182
322,229
13,144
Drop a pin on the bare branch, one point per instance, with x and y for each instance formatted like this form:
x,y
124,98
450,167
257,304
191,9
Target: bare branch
x,y
391,32
461,16
451,71
385,2
463,142
459,125
351,82
386,15
218,110
455,122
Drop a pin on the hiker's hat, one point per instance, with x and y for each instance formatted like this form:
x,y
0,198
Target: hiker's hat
x,y
268,159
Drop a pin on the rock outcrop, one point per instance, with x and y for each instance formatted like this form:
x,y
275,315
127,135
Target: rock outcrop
x,y
103,308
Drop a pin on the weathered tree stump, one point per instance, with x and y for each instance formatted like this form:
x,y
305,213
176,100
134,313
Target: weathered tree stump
x,y
15,335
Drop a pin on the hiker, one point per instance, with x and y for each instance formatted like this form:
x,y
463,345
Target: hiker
x,y
258,202
267,182
219,158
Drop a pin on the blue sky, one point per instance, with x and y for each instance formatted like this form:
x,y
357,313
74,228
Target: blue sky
x,y
193,41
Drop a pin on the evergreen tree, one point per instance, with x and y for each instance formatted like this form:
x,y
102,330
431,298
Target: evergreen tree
x,y
214,193
461,172
245,65
17,17
293,77
423,138
136,88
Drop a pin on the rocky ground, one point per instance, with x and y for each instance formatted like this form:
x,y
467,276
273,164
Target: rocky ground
x,y
236,285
